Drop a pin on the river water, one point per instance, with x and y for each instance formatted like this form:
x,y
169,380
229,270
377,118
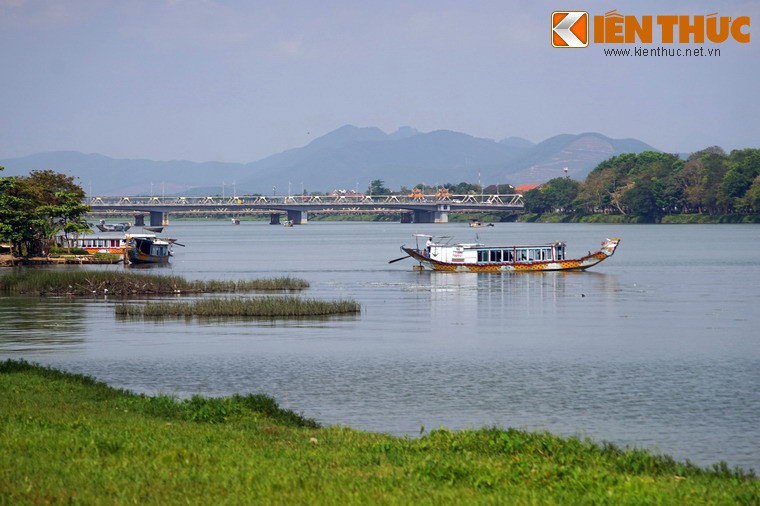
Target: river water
x,y
657,347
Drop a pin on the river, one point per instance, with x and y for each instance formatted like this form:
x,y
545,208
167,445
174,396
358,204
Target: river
x,y
657,347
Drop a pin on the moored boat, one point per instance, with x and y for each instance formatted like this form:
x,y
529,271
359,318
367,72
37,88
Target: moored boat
x,y
113,243
476,257
147,249
113,227
479,224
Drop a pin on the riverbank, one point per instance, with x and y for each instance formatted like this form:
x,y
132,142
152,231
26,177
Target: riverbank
x,y
69,438
670,219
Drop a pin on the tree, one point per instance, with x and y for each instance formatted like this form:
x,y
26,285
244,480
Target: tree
x,y
743,168
641,200
377,187
753,195
34,208
463,188
559,194
17,216
534,202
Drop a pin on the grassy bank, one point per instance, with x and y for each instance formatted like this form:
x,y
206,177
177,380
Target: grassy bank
x,y
121,283
67,438
259,307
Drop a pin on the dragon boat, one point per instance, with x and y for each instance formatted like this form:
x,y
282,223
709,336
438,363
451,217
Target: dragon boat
x,y
476,257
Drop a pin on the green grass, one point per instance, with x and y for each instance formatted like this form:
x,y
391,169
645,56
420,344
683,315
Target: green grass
x,y
70,439
78,282
259,307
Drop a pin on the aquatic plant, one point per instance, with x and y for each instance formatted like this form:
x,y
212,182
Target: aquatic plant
x,y
89,282
258,307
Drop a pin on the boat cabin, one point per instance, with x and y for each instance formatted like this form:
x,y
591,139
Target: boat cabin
x,y
94,243
478,253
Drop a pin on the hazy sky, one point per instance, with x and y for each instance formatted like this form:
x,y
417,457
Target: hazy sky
x,y
237,80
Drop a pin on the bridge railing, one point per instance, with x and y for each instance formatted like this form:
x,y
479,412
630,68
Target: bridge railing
x,y
514,199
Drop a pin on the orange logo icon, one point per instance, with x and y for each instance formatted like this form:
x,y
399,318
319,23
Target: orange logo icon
x,y
569,29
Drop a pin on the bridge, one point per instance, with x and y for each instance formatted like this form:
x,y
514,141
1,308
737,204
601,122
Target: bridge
x,y
416,207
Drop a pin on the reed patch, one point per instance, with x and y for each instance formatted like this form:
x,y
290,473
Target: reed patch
x,y
255,307
120,283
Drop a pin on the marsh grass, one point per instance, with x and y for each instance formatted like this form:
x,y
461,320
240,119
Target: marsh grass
x,y
258,307
120,283
71,439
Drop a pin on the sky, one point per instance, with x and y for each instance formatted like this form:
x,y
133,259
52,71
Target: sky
x,y
239,80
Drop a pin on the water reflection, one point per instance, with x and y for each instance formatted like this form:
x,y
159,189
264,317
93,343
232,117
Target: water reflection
x,y
34,323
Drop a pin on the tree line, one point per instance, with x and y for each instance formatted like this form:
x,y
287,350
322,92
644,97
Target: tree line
x,y
37,207
650,185
645,186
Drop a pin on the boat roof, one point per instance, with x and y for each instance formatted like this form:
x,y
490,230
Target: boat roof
x,y
505,246
142,236
100,235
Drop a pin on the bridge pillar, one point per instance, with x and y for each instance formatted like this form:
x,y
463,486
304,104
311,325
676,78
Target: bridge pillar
x,y
159,218
274,219
139,220
406,217
298,217
440,215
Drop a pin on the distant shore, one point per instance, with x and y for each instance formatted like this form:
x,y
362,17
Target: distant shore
x,y
673,219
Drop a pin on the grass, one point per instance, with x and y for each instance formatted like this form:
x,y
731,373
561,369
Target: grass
x,y
260,307
70,439
120,283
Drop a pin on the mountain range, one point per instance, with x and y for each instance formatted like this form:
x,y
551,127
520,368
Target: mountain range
x,y
346,158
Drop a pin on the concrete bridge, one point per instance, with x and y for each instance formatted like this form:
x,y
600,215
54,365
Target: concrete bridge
x,y
417,208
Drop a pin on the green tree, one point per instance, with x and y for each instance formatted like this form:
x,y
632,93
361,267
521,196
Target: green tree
x,y
753,196
560,193
463,188
36,207
743,168
534,202
377,187
17,216
641,200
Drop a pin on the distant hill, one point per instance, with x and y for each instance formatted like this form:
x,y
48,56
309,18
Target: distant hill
x,y
346,158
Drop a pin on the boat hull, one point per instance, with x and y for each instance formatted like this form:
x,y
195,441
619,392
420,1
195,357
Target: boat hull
x,y
579,264
142,250
136,257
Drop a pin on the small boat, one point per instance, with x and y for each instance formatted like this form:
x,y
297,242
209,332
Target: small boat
x,y
476,257
287,223
113,227
147,249
236,221
478,224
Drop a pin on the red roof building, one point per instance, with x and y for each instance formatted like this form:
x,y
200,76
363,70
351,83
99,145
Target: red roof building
x,y
526,187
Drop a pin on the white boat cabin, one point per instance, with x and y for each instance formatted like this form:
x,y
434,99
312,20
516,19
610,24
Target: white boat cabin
x,y
481,254
94,243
